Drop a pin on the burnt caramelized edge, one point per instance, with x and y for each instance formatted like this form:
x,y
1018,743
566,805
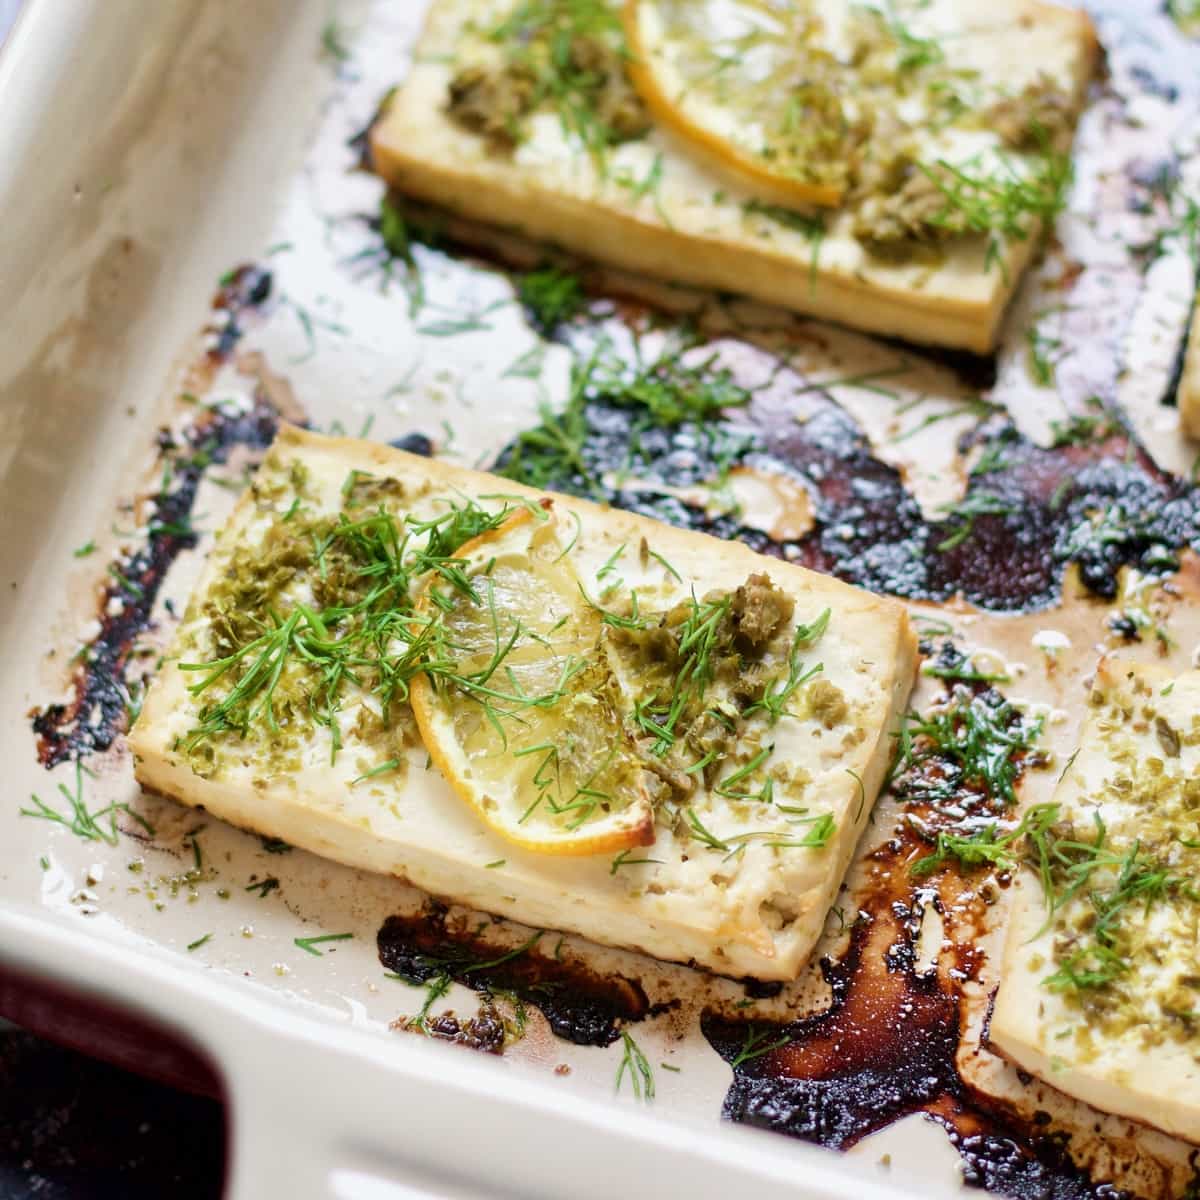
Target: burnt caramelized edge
x,y
580,1005
99,704
886,1046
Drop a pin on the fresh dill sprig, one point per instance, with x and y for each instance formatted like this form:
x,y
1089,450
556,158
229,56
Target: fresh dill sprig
x,y
570,51
1113,883
623,860
1082,429
79,819
759,1041
636,1066
972,742
779,692
1002,201
967,510
987,846
912,51
550,297
667,391
309,944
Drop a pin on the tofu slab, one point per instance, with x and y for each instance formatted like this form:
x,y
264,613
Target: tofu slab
x,y
1188,396
695,226
1130,1047
756,913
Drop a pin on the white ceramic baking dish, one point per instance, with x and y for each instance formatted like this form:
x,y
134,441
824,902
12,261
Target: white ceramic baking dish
x,y
145,149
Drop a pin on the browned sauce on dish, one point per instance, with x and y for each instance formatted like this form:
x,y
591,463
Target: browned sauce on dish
x,y
100,694
580,1005
888,1043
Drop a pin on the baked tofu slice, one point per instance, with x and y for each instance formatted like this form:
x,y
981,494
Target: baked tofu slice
x,y
748,850
1100,988
991,99
1189,379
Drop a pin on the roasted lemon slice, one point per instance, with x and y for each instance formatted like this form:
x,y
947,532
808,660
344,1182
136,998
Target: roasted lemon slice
x,y
518,708
745,84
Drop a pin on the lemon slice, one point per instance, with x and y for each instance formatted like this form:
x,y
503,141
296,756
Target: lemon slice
x,y
518,708
742,82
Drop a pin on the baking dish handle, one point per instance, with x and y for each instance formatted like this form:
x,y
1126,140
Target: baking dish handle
x,y
277,1150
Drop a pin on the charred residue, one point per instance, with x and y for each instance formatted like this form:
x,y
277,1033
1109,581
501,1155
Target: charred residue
x,y
101,700
1094,499
241,292
580,1005
887,1044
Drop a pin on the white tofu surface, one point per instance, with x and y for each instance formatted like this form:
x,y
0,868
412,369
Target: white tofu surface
x,y
696,226
757,913
1130,1046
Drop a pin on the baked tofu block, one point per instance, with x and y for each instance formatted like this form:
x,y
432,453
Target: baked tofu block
x,y
742,889
652,204
1100,990
1189,379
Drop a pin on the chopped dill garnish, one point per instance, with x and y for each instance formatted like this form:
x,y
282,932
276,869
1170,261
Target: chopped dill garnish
x,y
967,510
309,945
778,693
623,860
697,636
810,225
436,972
666,566
610,566
1003,202
398,235
976,743
1043,351
1081,429
637,1066
821,829
569,56
957,668
912,51
992,459
200,941
370,636
550,297
759,1040
1112,882
987,846
673,389
333,45
383,769
82,822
